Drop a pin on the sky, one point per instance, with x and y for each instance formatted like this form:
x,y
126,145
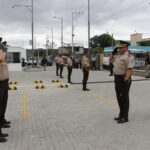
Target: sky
x,y
118,17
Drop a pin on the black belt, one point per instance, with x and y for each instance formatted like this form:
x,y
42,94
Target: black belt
x,y
119,75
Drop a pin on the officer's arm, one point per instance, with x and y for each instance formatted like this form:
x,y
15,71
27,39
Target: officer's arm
x,y
111,58
128,74
2,56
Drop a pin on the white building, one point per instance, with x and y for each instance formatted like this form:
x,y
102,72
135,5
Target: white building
x,y
14,58
135,38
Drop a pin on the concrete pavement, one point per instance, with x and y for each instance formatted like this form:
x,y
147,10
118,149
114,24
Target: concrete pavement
x,y
70,119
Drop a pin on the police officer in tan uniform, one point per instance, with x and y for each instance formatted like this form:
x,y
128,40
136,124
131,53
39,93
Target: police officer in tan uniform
x,y
4,77
61,64
85,68
123,64
69,67
57,64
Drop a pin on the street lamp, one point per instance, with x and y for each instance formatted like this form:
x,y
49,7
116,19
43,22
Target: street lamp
x,y
89,28
74,14
30,8
61,19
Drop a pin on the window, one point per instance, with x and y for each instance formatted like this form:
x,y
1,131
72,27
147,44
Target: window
x,y
13,57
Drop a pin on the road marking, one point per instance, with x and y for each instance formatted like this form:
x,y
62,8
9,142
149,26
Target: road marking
x,y
105,99
25,106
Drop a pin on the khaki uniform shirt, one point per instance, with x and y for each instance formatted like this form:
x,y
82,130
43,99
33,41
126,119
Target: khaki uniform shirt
x,y
69,62
56,59
60,61
122,63
85,62
3,67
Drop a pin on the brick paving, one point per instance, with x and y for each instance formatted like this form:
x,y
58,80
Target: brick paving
x,y
70,119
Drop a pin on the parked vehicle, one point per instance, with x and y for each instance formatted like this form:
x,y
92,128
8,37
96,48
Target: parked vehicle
x,y
49,61
32,60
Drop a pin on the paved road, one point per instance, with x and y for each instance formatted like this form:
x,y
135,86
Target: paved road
x,y
70,119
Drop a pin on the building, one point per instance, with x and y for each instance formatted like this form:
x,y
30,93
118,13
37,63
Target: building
x,y
135,38
14,58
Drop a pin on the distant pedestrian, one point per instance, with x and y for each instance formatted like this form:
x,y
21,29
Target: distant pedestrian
x,y
4,79
147,65
44,63
123,64
85,69
23,64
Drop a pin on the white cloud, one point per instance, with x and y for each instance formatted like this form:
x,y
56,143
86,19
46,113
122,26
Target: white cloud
x,y
114,16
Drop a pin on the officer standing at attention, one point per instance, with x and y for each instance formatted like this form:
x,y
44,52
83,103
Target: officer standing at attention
x,y
57,64
85,68
61,65
4,77
69,67
123,64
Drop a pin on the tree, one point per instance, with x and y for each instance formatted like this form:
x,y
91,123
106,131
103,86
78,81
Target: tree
x,y
104,40
97,50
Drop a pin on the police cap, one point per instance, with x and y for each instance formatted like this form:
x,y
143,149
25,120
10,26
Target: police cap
x,y
1,39
4,42
123,44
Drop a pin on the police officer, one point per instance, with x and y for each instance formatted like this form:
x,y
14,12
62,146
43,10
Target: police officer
x,y
123,64
3,90
69,67
57,64
61,65
85,68
147,65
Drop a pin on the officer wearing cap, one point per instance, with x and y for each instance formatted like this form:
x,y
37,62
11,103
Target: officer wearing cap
x,y
61,64
85,68
69,67
4,77
123,64
57,64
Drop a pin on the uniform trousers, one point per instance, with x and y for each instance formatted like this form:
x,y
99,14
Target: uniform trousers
x,y
57,69
85,77
69,73
122,93
61,69
111,66
3,99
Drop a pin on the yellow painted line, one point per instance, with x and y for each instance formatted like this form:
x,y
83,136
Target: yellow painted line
x,y
105,99
25,108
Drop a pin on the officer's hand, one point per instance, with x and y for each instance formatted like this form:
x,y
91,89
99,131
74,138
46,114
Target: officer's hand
x,y
115,51
124,87
126,83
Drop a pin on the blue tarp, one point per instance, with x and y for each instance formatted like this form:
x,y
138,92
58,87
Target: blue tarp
x,y
132,48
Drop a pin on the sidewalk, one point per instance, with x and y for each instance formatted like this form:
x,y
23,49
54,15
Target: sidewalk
x,y
70,119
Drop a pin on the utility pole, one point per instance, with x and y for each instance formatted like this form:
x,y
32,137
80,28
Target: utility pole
x,y
89,51
52,40
72,36
30,8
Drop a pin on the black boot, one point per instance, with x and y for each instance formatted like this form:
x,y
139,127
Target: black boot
x,y
2,137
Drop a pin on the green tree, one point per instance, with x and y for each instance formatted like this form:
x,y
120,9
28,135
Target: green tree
x,y
104,40
97,50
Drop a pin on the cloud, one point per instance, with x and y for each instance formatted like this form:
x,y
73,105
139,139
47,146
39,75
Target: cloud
x,y
119,17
